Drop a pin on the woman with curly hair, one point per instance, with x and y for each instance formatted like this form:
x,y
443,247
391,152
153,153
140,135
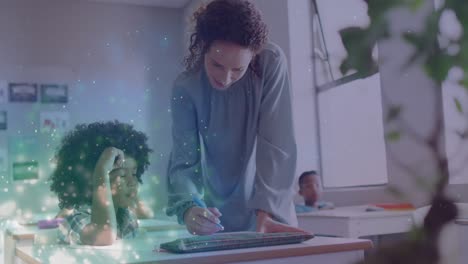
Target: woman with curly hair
x,y
99,167
233,159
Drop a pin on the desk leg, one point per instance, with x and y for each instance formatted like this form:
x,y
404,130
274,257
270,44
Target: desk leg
x,y
462,240
9,248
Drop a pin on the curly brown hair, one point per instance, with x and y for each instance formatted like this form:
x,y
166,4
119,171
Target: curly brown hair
x,y
79,151
236,21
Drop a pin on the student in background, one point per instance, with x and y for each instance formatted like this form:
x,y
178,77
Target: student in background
x,y
309,189
99,167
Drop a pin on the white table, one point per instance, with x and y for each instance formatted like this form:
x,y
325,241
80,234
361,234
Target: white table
x,y
355,222
139,251
24,235
461,238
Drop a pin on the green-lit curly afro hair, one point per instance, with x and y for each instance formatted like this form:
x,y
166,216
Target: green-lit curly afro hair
x,y
79,152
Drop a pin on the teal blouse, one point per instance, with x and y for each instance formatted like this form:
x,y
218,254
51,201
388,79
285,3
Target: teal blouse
x,y
234,149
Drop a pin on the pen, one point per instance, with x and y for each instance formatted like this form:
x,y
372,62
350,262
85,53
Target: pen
x,y
202,204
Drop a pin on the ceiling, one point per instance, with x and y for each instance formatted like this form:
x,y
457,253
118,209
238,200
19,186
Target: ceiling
x,y
158,3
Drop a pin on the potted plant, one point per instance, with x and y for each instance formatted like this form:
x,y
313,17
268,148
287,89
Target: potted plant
x,y
438,52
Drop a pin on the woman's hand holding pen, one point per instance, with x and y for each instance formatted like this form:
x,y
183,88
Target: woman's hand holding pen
x,y
203,221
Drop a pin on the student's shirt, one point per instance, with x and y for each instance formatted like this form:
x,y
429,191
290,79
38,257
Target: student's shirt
x,y
235,149
320,205
70,229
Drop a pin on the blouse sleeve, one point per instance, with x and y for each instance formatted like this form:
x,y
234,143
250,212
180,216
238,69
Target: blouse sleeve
x,y
276,145
184,172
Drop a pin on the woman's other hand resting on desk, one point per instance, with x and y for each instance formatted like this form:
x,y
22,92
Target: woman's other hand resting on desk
x,y
266,224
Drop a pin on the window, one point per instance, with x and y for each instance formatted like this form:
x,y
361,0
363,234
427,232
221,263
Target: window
x,y
352,145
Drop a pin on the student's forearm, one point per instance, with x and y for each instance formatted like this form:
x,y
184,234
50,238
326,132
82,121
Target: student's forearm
x,y
96,235
103,227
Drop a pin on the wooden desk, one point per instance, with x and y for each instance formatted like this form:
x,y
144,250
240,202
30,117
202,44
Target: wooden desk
x,y
23,235
354,222
139,251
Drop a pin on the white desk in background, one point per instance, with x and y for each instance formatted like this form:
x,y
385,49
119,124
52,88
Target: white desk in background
x,y
355,221
17,234
144,250
461,231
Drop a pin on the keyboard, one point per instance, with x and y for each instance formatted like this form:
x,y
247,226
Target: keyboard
x,y
235,240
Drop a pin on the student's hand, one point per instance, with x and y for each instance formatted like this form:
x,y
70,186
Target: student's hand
x,y
266,224
202,221
141,210
111,158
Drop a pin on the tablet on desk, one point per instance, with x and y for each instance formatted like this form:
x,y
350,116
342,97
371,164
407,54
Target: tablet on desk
x,y
235,240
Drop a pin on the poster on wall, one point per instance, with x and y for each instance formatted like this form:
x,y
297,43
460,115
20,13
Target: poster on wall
x,y
24,153
3,91
3,120
27,170
22,92
57,122
3,159
54,93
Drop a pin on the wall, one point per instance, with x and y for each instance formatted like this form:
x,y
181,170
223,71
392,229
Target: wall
x,y
119,62
289,27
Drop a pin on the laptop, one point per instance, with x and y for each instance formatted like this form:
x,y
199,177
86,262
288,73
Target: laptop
x,y
234,240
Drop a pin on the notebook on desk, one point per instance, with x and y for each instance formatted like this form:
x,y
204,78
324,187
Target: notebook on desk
x,y
235,240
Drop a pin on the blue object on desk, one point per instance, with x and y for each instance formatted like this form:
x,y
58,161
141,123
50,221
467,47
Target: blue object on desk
x,y
304,208
49,223
202,204
320,205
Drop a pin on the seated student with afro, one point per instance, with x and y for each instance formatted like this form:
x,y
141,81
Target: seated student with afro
x,y
99,167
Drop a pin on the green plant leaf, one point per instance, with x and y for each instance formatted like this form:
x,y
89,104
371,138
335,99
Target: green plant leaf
x,y
416,39
438,65
393,113
424,42
422,183
393,190
377,9
393,136
416,233
462,134
415,4
458,105
460,9
359,50
464,81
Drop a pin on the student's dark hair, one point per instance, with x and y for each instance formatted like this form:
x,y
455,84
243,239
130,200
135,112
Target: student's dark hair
x,y
305,174
79,151
236,21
